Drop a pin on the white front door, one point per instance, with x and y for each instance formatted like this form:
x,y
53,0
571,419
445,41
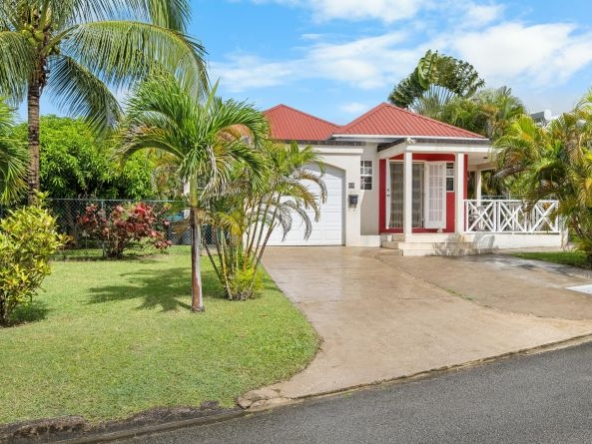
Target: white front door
x,y
435,197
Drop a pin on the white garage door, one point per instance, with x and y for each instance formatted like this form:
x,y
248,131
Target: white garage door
x,y
329,229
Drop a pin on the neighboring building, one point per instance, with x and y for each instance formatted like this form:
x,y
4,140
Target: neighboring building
x,y
398,179
543,118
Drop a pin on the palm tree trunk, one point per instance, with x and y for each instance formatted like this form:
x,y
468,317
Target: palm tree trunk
x,y
33,96
197,304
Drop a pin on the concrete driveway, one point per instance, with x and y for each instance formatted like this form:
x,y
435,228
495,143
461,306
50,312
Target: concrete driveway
x,y
383,317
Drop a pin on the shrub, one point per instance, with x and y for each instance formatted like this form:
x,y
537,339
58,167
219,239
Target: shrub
x,y
125,225
245,282
28,239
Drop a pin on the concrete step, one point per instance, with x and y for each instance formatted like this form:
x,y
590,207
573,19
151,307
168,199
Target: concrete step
x,y
434,248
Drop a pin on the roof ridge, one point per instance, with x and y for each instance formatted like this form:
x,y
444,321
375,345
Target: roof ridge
x,y
368,114
430,119
281,105
365,115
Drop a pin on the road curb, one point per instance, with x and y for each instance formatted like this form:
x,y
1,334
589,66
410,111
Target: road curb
x,y
239,413
556,345
165,427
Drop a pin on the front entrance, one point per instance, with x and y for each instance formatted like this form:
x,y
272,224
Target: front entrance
x,y
428,195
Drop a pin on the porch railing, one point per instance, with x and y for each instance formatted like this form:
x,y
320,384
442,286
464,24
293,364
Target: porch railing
x,y
511,216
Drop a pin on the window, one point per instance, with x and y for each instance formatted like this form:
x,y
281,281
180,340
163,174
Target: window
x,y
449,177
366,175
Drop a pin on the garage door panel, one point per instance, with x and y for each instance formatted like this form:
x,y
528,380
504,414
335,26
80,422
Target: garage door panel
x,y
329,229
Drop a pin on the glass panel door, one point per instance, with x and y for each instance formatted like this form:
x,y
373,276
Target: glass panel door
x,y
397,195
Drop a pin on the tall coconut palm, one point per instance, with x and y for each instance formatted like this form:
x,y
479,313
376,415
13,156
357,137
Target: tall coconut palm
x,y
77,49
206,139
13,159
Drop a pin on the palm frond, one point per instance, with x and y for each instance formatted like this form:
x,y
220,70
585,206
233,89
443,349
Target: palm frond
x,y
123,52
16,65
172,14
78,92
13,168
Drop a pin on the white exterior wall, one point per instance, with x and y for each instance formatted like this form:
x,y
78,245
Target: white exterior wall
x,y
347,158
369,199
496,241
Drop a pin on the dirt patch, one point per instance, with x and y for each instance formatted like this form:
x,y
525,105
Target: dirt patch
x,y
72,427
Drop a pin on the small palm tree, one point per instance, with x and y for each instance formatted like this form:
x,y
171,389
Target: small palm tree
x,y
245,215
13,159
555,162
495,110
76,49
206,139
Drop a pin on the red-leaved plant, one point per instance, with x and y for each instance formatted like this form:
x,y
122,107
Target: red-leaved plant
x,y
125,225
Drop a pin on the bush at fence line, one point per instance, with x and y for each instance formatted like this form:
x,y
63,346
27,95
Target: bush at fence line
x,y
124,226
28,239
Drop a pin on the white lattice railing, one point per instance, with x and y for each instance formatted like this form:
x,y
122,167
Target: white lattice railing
x,y
511,216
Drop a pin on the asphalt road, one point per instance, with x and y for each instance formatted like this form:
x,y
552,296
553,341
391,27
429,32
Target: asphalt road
x,y
545,398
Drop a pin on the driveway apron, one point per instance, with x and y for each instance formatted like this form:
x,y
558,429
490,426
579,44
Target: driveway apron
x,y
380,320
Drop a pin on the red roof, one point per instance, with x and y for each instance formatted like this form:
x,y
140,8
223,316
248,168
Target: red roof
x,y
389,120
290,124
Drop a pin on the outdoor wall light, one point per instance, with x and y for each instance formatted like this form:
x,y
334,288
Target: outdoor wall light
x,y
353,200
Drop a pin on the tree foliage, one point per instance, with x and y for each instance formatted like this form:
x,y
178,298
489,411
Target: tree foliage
x,y
555,162
247,211
205,139
489,112
78,50
28,240
436,80
450,90
125,225
75,163
13,159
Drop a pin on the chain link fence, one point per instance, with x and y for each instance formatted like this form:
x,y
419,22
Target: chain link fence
x,y
68,211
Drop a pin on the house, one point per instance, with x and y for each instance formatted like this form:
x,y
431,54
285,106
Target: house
x,y
400,180
543,118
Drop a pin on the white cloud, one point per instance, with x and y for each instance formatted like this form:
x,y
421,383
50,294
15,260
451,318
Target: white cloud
x,y
480,15
249,72
512,52
367,63
522,56
355,108
311,36
387,11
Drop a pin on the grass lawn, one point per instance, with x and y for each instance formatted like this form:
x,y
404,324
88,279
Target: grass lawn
x,y
573,258
115,338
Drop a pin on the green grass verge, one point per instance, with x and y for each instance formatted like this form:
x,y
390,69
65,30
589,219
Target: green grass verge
x,y
572,258
109,339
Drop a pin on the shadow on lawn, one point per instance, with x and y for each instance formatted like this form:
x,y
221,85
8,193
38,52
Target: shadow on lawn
x,y
165,289
33,312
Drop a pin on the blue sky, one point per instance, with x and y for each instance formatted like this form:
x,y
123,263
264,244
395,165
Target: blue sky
x,y
338,58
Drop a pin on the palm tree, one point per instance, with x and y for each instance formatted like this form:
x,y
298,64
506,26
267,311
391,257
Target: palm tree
x,y
13,159
437,79
206,139
450,90
78,49
495,109
246,213
555,162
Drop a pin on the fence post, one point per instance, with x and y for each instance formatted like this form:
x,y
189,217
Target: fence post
x,y
105,215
